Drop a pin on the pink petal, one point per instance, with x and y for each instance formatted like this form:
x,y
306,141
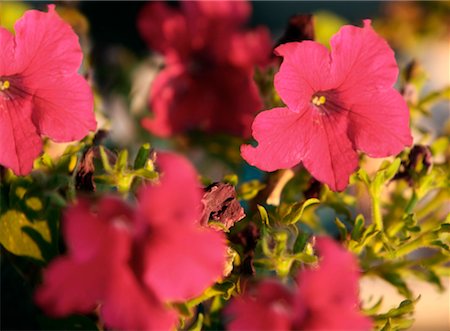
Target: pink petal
x,y
268,308
280,138
70,287
170,103
46,45
216,12
327,306
250,48
7,62
177,196
63,106
130,307
183,260
98,249
20,142
49,55
81,228
379,122
304,71
361,59
223,99
329,154
164,29
316,286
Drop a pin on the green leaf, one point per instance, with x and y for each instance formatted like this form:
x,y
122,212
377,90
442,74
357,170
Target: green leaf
x,y
231,179
105,160
197,325
301,241
396,280
392,169
249,190
122,161
263,214
342,228
142,156
358,227
15,229
297,211
363,176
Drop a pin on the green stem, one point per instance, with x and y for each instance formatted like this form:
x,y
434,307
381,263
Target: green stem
x,y
377,218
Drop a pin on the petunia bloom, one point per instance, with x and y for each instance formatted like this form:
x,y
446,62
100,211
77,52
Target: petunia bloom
x,y
337,102
207,83
325,298
132,261
41,92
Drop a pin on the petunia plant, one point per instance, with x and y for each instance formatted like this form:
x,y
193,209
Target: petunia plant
x,y
268,183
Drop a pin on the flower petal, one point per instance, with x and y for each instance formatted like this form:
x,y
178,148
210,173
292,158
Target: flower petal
x,y
280,138
7,62
304,71
206,14
379,122
70,287
269,308
361,59
182,260
221,100
46,45
177,198
128,307
164,29
328,153
19,139
63,106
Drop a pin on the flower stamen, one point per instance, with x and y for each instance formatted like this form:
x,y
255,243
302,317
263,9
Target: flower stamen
x,y
318,100
4,85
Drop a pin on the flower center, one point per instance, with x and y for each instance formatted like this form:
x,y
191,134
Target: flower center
x,y
4,85
318,100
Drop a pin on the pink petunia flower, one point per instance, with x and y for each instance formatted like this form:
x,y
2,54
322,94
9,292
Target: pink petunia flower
x,y
325,298
208,80
41,92
132,262
338,102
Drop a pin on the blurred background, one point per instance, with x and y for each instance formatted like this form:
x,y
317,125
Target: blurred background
x,y
121,67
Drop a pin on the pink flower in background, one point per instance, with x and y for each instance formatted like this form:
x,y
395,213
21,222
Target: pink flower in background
x,y
338,102
326,298
132,262
41,92
208,80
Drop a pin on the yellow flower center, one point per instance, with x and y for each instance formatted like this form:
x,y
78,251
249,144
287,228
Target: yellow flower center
x,y
4,85
319,101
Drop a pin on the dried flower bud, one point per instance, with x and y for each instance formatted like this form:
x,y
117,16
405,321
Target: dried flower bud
x,y
221,206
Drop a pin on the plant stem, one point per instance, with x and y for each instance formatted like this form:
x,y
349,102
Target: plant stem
x,y
377,218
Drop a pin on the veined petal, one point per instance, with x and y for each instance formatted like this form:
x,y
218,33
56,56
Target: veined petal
x,y
7,62
328,153
361,59
19,139
63,106
281,140
304,71
46,45
379,122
